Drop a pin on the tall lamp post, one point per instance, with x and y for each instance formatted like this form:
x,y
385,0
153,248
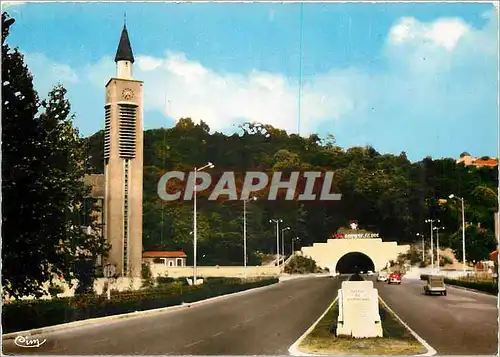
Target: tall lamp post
x,y
277,222
423,247
283,244
195,230
293,244
245,231
463,227
437,245
431,221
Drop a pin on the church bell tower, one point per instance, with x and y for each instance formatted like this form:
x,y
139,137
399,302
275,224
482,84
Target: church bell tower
x,y
123,163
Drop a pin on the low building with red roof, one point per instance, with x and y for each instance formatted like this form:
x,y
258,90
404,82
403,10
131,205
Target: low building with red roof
x,y
166,257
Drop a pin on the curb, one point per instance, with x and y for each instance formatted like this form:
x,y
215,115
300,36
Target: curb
x,y
283,278
80,323
430,350
294,349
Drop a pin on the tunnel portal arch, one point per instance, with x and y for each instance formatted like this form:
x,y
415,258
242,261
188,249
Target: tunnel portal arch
x,y
354,262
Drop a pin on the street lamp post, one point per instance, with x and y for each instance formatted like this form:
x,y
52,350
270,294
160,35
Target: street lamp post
x,y
277,222
195,230
431,221
245,231
423,247
293,244
463,227
283,244
437,244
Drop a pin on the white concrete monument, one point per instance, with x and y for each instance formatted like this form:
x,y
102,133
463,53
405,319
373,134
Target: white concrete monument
x,y
359,314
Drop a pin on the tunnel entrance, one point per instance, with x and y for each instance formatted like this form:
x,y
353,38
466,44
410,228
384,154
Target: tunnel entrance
x,y
354,262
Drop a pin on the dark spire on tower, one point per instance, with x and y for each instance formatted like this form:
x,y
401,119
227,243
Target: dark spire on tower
x,y
124,51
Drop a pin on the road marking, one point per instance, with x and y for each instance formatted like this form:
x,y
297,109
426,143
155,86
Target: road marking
x,y
194,343
235,326
101,340
430,350
294,349
217,334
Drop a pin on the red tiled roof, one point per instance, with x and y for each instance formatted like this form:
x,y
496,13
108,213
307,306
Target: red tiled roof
x,y
163,254
488,162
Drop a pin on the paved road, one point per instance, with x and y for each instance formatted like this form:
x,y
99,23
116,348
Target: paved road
x,y
461,323
264,322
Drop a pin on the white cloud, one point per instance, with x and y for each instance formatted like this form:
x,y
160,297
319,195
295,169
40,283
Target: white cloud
x,y
445,32
48,73
180,87
441,71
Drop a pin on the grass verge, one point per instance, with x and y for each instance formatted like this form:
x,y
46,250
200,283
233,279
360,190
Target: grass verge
x,y
397,339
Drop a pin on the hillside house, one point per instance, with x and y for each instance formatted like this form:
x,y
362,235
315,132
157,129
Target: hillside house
x,y
167,258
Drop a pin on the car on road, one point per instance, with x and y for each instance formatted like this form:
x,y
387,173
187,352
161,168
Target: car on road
x,y
435,285
394,278
382,277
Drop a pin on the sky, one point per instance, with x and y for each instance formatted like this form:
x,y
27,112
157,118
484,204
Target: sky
x,y
415,77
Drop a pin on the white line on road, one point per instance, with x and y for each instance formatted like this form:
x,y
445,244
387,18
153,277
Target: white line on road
x,y
235,326
294,349
194,343
430,350
101,340
217,334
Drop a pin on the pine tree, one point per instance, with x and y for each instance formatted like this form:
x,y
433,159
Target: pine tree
x,y
43,191
65,155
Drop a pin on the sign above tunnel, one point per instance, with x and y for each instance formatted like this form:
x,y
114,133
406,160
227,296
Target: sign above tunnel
x,y
354,232
355,235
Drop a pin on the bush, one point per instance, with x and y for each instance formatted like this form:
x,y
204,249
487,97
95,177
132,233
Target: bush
x,y
424,276
147,275
481,285
301,265
446,260
24,315
54,290
221,280
162,280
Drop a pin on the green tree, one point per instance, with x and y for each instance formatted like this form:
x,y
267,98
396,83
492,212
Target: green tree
x,y
479,243
44,232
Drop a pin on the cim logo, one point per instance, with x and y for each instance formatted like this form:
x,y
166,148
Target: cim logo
x,y
27,341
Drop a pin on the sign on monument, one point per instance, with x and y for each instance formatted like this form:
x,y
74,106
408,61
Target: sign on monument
x,y
359,314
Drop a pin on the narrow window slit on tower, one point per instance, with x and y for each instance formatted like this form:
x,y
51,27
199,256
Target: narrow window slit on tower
x,y
107,131
127,138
